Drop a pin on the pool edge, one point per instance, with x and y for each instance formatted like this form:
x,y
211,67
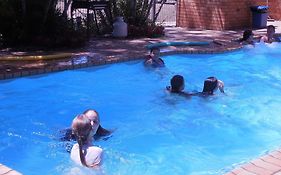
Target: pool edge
x,y
4,170
110,60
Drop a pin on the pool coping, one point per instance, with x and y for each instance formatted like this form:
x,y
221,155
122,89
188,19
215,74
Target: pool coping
x,y
4,170
268,164
97,60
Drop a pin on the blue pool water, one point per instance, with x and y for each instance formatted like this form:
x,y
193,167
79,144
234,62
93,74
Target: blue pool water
x,y
156,132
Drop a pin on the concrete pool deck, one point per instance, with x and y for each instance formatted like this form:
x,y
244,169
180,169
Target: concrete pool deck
x,y
101,51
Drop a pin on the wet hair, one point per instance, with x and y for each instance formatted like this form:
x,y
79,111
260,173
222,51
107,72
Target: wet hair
x,y
270,26
81,127
90,110
154,49
176,83
210,85
68,134
100,131
246,35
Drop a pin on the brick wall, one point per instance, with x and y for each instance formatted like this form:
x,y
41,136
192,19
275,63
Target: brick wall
x,y
216,14
275,9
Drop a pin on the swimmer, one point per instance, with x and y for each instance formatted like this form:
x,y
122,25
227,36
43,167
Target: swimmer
x,y
248,37
211,84
95,122
270,35
177,86
154,59
84,152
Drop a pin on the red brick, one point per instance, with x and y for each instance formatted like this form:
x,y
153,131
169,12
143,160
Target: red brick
x,y
197,13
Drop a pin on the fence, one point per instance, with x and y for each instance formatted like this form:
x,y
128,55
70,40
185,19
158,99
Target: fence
x,y
166,16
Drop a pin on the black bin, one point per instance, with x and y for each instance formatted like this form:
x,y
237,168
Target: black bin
x,y
259,16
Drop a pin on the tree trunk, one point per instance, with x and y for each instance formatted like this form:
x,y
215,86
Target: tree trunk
x,y
48,5
149,8
159,10
133,8
66,7
23,6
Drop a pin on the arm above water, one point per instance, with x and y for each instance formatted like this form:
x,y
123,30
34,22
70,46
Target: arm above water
x,y
221,86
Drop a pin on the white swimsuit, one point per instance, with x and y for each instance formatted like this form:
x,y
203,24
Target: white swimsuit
x,y
93,155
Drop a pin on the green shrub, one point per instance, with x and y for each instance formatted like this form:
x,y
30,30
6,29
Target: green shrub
x,y
136,14
37,23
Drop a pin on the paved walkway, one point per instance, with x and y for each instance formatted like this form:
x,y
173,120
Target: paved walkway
x,y
107,50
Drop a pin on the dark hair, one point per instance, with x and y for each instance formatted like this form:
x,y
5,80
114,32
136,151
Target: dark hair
x,y
210,85
246,35
271,26
154,48
88,110
176,83
100,131
81,127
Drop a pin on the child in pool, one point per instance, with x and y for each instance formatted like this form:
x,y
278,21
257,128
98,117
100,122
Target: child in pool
x,y
211,84
84,152
154,59
177,86
270,35
248,37
95,120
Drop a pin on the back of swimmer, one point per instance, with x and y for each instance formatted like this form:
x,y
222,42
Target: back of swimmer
x,y
177,85
84,152
212,84
248,37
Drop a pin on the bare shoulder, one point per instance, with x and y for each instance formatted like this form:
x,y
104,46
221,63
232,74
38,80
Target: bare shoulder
x,y
95,149
263,38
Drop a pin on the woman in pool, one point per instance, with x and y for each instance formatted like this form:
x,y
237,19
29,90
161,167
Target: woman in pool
x,y
177,86
93,116
248,37
84,152
154,59
211,84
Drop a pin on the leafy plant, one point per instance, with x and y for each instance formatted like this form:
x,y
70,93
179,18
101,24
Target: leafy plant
x,y
136,13
36,22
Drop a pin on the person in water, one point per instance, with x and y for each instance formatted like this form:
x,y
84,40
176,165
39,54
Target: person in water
x,y
93,116
177,86
84,152
270,35
154,59
248,37
211,84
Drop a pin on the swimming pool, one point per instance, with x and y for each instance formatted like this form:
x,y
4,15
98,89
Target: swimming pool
x,y
156,132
